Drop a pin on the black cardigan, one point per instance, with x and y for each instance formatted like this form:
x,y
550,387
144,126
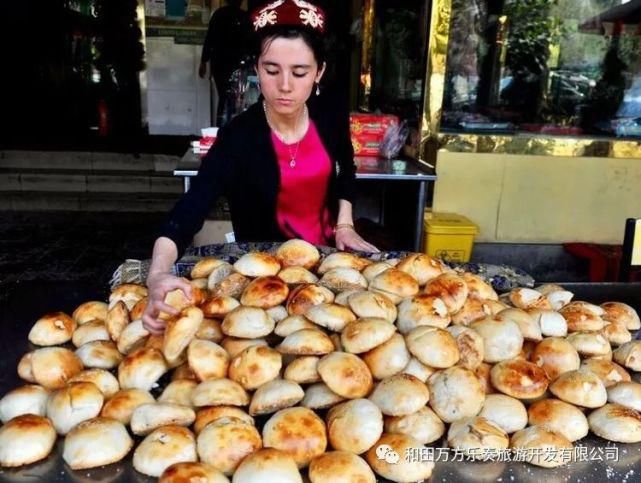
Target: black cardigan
x,y
242,166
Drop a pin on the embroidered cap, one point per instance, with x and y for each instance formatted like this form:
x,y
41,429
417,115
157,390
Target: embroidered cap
x,y
289,12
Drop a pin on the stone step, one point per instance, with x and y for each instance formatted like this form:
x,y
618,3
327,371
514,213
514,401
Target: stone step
x,y
92,161
87,201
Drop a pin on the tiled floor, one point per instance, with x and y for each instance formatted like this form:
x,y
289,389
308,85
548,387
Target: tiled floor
x,y
71,246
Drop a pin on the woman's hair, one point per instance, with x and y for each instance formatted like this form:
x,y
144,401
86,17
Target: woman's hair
x,y
312,39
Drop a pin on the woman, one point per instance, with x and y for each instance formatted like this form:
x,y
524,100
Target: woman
x,y
285,165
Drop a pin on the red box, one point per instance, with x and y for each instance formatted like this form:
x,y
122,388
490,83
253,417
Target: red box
x,y
367,132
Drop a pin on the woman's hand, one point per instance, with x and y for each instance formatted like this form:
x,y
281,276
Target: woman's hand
x,y
347,238
159,284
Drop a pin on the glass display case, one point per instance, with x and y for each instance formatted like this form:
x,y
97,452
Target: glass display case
x,y
542,67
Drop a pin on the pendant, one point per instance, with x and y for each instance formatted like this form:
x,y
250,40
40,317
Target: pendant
x,y
292,163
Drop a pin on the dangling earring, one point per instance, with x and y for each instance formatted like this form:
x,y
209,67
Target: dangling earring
x,y
317,89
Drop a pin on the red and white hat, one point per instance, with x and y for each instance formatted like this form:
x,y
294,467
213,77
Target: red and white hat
x,y
289,12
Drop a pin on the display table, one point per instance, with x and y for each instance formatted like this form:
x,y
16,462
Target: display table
x,y
366,169
26,302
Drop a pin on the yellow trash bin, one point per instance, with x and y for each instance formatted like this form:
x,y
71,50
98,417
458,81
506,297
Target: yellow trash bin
x,y
449,236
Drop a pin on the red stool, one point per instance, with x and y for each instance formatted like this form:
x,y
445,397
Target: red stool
x,y
604,260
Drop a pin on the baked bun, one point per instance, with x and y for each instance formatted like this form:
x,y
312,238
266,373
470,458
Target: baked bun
x,y
331,316
297,253
519,378
502,339
73,404
340,467
93,310
307,295
354,425
389,358
319,396
626,394
582,317
394,284
210,330
218,307
204,267
478,288
455,393
616,333
370,304
615,422
219,392
422,267
128,293
581,388
423,425
346,375
306,342
472,310
372,271
291,324
433,347
247,323
192,472
422,310
387,459
559,298
132,337
297,431
104,380
224,282
542,447
363,335
25,370
621,313
529,327
552,323
265,292
628,355
589,344
400,395
99,354
255,366
609,372
561,417
180,331
556,356
117,319
278,313
268,465
506,412
235,346
475,435
419,370
341,279
29,399
303,370
52,367
89,332
296,276
470,345
342,260
122,405
141,369
179,301
207,359
450,288
26,439
52,329
164,447
527,298
148,417
96,442
257,264
183,371
275,395
208,414
137,310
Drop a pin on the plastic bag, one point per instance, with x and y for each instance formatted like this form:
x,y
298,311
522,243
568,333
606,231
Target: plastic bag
x,y
394,140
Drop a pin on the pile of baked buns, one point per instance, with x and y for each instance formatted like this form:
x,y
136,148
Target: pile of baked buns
x,y
337,368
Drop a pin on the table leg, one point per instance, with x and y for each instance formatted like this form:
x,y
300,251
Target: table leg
x,y
422,193
186,184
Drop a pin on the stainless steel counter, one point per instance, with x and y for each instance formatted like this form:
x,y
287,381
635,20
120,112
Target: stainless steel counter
x,y
366,169
24,303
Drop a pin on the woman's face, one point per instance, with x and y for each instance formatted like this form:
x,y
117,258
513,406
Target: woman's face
x,y
287,71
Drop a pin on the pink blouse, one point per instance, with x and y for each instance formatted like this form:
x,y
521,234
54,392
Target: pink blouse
x,y
301,210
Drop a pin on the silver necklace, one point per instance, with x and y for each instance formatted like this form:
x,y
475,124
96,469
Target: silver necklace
x,y
292,155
